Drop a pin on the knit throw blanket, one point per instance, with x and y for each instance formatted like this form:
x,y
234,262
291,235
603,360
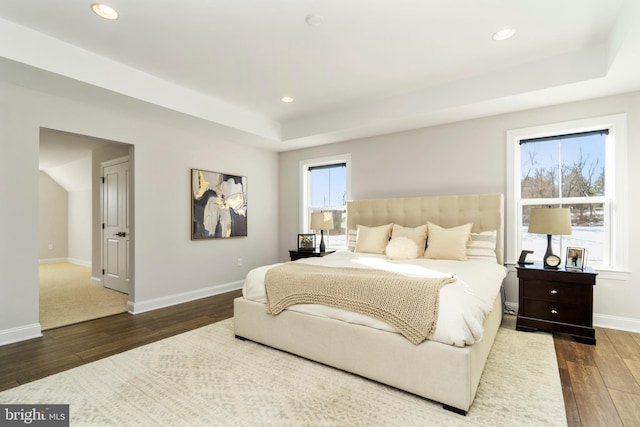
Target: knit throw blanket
x,y
408,303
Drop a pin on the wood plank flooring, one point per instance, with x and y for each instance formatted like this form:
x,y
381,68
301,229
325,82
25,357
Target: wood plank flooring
x,y
601,384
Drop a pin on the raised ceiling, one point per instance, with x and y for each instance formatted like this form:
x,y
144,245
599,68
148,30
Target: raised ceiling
x,y
370,67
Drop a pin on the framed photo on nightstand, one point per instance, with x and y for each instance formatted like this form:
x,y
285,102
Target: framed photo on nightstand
x,y
306,242
576,258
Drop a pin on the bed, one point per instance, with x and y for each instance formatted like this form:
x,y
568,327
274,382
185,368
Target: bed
x,y
446,367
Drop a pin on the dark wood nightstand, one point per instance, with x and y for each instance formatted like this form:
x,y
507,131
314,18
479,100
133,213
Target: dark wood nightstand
x,y
294,255
557,300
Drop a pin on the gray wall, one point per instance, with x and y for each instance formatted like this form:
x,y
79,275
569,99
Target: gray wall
x,y
168,265
79,223
469,157
53,232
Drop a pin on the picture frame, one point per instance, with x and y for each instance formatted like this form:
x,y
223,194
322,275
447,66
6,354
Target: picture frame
x,y
576,258
218,205
307,242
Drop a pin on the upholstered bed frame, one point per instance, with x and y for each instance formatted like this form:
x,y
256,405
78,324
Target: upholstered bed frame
x,y
443,373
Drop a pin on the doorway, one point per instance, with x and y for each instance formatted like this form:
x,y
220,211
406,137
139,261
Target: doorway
x,y
70,233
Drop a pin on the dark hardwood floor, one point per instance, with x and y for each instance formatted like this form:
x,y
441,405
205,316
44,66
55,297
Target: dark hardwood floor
x,y
601,384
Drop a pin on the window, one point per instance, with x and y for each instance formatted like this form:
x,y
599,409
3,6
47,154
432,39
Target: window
x,y
579,165
325,188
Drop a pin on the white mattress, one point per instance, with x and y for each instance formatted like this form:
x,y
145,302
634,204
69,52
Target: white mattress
x,y
463,305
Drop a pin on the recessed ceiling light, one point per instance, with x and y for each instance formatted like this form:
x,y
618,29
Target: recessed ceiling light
x,y
104,11
504,34
313,20
287,99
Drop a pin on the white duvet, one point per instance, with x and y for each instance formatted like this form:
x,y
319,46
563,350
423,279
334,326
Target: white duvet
x,y
463,304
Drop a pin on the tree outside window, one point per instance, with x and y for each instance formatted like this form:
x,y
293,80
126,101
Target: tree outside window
x,y
567,171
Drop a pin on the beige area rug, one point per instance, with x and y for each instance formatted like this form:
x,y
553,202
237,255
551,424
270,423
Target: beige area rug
x,y
206,377
67,296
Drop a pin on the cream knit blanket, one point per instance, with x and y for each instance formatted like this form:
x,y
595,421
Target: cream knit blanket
x,y
408,303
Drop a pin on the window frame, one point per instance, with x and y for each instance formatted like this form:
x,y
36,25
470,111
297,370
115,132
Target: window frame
x,y
615,184
305,185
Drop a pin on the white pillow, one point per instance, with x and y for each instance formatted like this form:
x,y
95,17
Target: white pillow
x,y
372,240
482,246
402,248
351,240
448,243
418,235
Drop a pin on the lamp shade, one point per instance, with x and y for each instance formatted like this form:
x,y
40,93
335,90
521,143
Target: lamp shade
x,y
556,221
322,221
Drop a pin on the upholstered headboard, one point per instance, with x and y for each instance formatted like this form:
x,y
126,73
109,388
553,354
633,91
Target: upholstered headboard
x,y
485,211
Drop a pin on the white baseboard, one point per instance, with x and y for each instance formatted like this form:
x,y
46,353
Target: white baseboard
x,y
52,260
513,306
97,281
153,304
81,262
21,333
76,261
615,322
602,320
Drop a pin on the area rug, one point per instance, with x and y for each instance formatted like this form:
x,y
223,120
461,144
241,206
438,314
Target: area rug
x,y
67,296
206,377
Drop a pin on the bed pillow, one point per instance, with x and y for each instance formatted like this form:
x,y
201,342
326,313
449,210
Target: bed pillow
x,y
372,240
351,240
418,235
402,248
482,246
448,243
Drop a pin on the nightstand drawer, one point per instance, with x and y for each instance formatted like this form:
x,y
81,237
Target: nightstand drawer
x,y
554,311
570,293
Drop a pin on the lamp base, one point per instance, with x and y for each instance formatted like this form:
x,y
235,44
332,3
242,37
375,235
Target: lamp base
x,y
551,261
322,246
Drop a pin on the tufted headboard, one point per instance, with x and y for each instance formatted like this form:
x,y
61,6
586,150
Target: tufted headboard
x,y
485,211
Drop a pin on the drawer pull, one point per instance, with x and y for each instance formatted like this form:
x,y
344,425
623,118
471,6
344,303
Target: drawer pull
x,y
554,312
554,291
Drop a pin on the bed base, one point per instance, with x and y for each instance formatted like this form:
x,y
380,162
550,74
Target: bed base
x,y
443,373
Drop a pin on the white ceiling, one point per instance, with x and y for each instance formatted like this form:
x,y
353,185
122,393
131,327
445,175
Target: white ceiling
x,y
371,67
66,158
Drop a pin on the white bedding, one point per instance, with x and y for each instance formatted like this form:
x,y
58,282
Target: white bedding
x,y
463,304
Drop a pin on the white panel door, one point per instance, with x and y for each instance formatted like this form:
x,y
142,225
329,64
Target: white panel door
x,y
115,233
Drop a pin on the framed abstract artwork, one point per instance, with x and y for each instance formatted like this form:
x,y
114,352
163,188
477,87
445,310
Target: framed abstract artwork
x,y
218,205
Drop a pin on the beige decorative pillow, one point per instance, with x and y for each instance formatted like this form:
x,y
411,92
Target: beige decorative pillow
x,y
372,240
402,248
418,235
448,243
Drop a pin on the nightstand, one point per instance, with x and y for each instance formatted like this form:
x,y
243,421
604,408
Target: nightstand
x,y
295,255
556,300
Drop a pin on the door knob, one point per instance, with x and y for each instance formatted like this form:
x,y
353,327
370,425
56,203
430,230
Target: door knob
x,y
121,234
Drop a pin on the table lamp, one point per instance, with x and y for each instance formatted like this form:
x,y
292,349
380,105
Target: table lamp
x,y
550,221
322,221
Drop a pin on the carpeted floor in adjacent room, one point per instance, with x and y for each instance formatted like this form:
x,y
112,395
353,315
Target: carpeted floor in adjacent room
x,y
67,296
